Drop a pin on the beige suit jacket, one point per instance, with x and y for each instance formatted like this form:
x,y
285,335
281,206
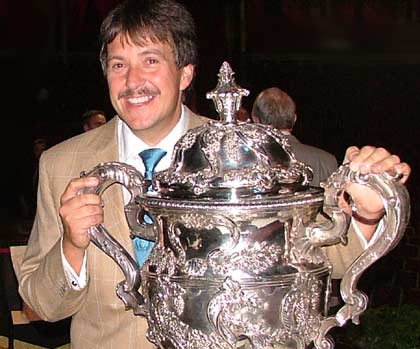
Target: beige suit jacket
x,y
99,318
321,162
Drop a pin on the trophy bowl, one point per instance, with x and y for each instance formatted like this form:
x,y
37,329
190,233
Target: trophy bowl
x,y
241,240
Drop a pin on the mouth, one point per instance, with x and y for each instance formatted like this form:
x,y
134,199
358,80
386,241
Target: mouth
x,y
140,99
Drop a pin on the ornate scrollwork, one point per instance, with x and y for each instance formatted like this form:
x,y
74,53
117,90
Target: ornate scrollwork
x,y
162,260
302,249
108,174
237,312
300,311
397,212
165,324
253,259
199,224
234,143
224,309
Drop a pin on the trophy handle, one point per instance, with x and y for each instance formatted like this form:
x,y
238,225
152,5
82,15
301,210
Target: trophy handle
x,y
397,213
108,174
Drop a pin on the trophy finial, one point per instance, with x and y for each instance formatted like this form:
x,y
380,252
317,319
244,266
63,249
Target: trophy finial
x,y
227,95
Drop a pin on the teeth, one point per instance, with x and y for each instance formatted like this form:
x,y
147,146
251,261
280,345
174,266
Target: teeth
x,y
138,100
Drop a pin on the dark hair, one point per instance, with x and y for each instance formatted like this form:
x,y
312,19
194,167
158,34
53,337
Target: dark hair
x,y
40,141
275,107
163,21
87,115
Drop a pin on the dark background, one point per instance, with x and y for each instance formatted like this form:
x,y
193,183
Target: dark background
x,y
353,68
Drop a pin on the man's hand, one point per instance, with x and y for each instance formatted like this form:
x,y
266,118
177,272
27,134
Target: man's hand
x,y
78,213
373,160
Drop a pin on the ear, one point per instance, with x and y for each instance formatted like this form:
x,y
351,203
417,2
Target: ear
x,y
187,74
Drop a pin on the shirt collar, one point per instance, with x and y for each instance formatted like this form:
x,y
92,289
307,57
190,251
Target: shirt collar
x,y
130,145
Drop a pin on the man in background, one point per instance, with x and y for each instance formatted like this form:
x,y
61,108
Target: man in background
x,y
93,119
29,181
276,108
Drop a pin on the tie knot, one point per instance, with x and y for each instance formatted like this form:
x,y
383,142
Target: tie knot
x,y
150,158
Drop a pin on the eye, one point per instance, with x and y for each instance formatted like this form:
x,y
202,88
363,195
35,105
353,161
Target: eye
x,y
152,61
116,66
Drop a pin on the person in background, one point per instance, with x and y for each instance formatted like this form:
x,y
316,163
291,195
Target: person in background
x,y
276,108
29,181
93,119
242,114
148,56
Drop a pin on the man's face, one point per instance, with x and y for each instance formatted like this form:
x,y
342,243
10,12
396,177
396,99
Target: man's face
x,y
95,121
146,87
242,114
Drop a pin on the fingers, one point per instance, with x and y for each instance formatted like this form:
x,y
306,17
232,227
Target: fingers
x,y
76,185
82,211
79,212
404,170
369,159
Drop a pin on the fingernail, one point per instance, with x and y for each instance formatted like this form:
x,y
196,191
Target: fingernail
x,y
363,169
353,155
353,166
376,168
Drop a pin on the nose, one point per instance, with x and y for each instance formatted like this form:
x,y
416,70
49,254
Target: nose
x,y
134,77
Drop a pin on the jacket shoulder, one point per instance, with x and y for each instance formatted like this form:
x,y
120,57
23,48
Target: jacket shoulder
x,y
195,120
87,141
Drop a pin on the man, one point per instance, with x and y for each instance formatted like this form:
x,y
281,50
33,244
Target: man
x,y
276,108
93,119
148,56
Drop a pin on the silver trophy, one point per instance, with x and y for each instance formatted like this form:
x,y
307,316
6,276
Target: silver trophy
x,y
238,259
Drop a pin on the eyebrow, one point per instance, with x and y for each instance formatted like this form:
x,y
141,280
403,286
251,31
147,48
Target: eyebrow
x,y
142,53
114,57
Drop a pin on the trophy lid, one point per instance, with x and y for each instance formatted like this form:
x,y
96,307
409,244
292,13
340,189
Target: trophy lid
x,y
229,159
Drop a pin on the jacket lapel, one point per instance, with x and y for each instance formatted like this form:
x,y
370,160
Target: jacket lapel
x,y
106,150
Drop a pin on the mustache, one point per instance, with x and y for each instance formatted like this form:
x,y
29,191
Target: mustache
x,y
136,92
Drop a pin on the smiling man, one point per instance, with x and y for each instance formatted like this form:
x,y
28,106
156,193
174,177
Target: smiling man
x,y
148,56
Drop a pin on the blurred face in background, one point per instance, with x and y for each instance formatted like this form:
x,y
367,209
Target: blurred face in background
x,y
242,114
94,122
40,145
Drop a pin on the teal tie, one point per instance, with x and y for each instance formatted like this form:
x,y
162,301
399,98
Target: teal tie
x,y
151,158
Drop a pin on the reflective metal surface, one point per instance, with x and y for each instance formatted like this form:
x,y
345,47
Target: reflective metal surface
x,y
238,258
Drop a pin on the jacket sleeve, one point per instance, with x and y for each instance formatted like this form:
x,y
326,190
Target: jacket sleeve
x,y
42,281
342,256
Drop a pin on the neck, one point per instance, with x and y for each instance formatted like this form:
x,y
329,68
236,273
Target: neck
x,y
286,131
155,134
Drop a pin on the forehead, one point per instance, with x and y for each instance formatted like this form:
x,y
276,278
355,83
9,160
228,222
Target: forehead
x,y
123,42
98,116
